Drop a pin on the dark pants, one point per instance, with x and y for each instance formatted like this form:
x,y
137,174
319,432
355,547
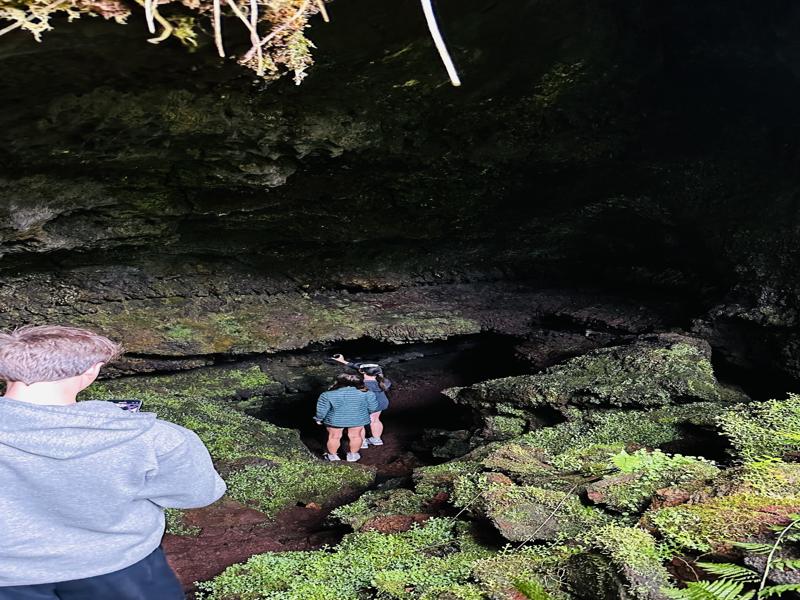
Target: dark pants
x,y
149,579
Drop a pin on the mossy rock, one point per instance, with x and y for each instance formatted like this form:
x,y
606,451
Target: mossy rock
x,y
426,562
654,371
592,576
636,556
588,439
525,513
379,503
242,386
644,472
767,429
432,481
534,571
715,523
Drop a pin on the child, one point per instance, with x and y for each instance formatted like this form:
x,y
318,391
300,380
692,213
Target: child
x,y
375,381
346,405
83,486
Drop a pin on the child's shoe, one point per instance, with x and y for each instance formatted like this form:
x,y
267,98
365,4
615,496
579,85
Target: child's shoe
x,y
353,456
374,441
364,444
331,457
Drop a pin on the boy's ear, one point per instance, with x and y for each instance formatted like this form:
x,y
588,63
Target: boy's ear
x,y
94,370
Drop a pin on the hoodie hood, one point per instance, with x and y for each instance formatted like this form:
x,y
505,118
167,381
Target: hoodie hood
x,y
50,431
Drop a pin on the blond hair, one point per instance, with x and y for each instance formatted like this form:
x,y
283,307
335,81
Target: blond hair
x,y
37,353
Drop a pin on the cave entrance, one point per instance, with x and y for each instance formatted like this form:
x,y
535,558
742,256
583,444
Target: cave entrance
x,y
419,373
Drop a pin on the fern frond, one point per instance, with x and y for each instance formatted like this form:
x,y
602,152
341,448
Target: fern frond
x,y
754,547
729,571
792,564
777,590
722,589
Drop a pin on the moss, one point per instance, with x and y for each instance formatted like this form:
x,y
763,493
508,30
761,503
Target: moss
x,y
768,429
211,382
654,371
269,488
643,473
772,478
425,563
438,479
179,333
228,434
176,524
523,512
714,523
634,553
500,427
581,443
538,568
379,503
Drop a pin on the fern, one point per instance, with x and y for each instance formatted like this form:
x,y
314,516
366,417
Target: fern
x,y
777,590
733,578
722,589
754,548
784,564
729,571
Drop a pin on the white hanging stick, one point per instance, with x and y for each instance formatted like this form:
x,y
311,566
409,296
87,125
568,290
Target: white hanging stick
x,y
433,26
218,28
148,15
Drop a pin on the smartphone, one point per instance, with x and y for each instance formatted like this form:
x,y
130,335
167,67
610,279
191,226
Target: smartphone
x,y
130,405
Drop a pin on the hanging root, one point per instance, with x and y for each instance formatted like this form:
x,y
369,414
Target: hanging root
x,y
250,24
155,16
168,28
433,26
218,29
148,15
323,11
282,27
30,16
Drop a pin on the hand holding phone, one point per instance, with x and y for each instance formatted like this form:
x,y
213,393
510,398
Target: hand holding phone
x,y
129,405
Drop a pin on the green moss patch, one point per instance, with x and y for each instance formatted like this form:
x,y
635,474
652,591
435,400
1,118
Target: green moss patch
x,y
644,472
425,563
715,523
654,371
270,488
379,503
767,429
634,552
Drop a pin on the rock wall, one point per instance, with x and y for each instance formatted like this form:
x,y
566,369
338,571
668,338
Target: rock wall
x,y
171,200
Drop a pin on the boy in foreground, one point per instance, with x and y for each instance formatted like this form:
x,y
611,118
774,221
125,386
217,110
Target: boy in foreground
x,y
83,486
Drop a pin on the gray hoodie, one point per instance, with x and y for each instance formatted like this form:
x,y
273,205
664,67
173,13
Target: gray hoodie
x,y
82,487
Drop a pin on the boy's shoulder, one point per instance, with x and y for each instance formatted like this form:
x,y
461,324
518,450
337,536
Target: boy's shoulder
x,y
168,435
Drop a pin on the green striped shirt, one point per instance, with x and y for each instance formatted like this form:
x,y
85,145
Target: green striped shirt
x,y
346,407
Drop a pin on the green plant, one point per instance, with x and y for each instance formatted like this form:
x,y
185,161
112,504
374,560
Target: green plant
x,y
176,523
377,503
421,564
273,487
644,472
741,583
767,429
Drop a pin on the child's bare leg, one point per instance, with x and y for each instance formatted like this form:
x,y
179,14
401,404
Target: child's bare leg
x,y
356,436
375,425
334,439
